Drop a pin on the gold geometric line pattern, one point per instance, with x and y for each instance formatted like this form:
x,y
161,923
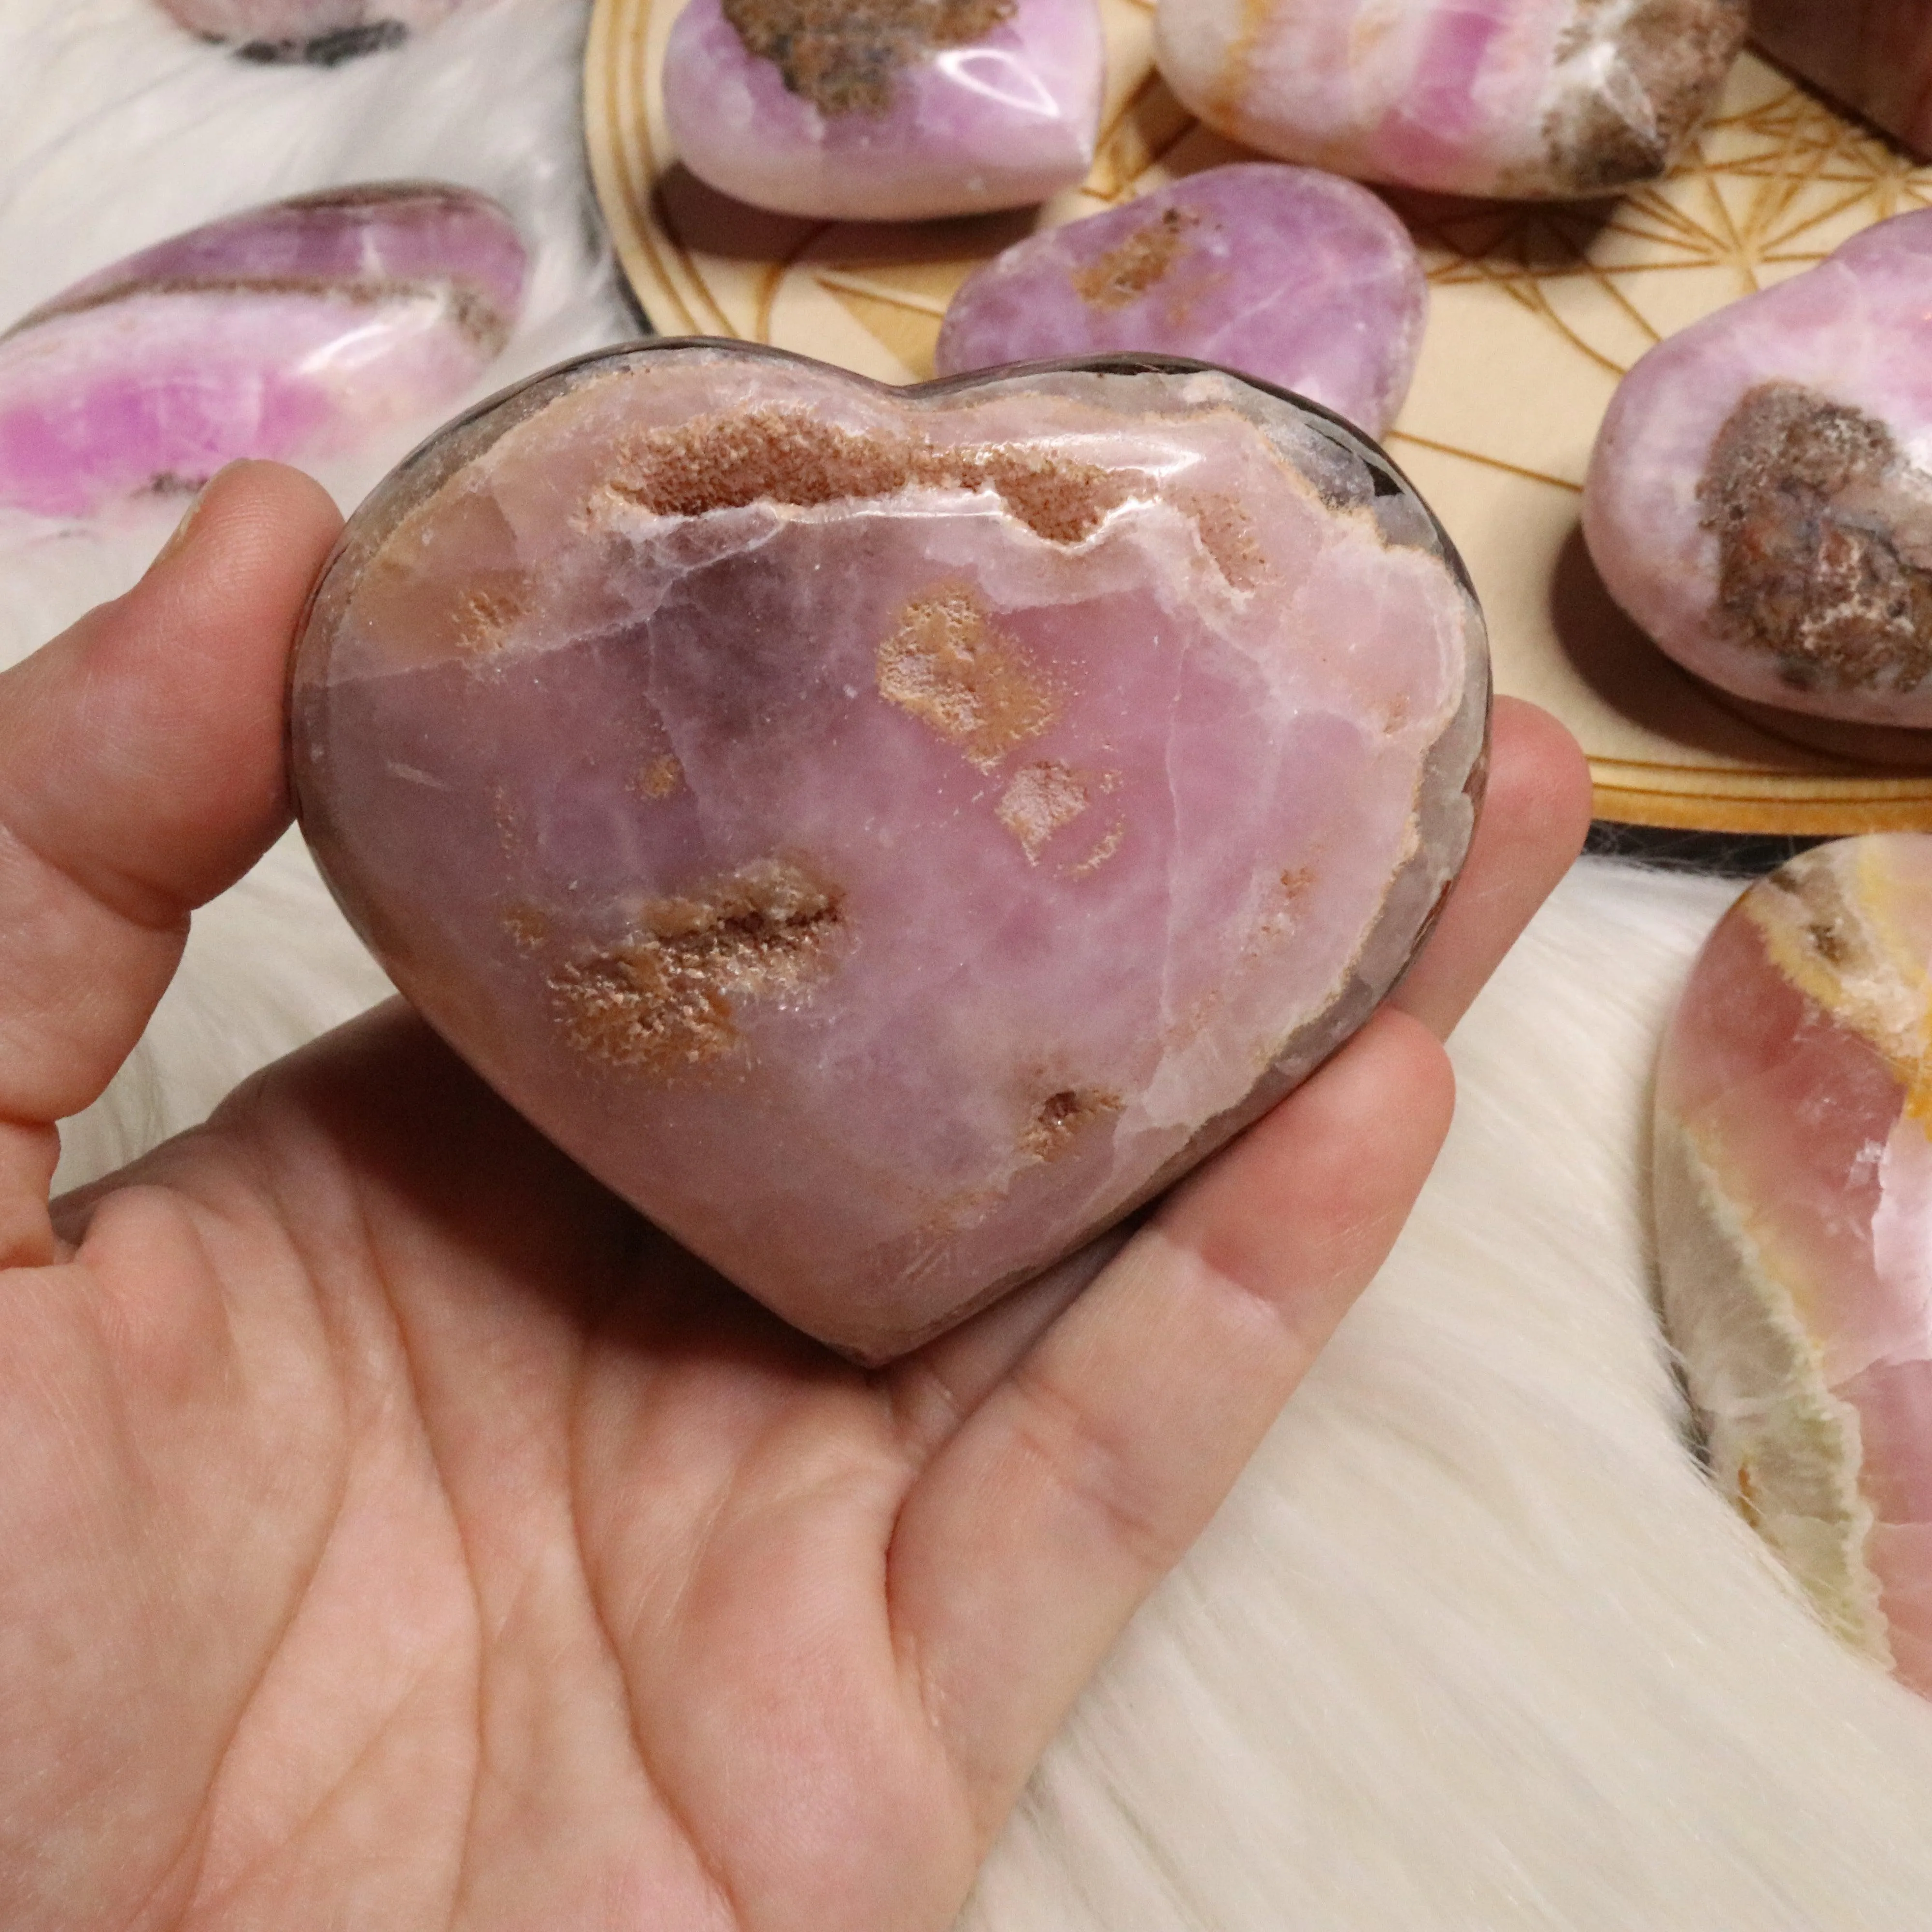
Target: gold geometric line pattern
x,y
1492,462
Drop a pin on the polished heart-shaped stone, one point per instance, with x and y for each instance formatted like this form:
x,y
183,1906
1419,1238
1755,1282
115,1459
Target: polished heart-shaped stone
x,y
888,835
885,110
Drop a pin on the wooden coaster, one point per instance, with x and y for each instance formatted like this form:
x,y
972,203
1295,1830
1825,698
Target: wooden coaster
x,y
1535,313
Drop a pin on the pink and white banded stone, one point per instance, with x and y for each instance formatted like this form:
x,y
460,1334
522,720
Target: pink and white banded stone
x,y
297,331
1760,498
1794,1225
1297,277
1521,98
887,834
1875,55
885,110
322,31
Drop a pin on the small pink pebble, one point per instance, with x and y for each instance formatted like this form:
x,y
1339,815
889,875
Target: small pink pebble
x,y
1794,1225
885,110
1298,277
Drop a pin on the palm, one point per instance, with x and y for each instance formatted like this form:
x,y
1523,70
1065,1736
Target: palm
x,y
507,1552
394,1530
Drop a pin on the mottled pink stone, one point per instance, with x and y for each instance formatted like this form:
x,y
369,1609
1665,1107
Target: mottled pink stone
x,y
1758,499
1874,56
296,330
888,110
322,31
1794,1225
887,834
1297,277
1530,98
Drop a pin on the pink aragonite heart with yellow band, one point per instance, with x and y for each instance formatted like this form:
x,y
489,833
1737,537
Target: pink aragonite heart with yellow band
x,y
888,835
1794,1225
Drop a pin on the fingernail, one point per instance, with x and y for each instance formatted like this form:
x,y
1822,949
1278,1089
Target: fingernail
x,y
185,528
180,535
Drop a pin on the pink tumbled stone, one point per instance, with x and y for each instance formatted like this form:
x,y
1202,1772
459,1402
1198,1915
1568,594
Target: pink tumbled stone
x,y
1758,499
296,330
887,834
1297,277
885,110
1528,98
1875,55
1794,1225
321,30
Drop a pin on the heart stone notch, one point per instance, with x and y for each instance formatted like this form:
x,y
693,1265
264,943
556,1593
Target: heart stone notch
x,y
889,835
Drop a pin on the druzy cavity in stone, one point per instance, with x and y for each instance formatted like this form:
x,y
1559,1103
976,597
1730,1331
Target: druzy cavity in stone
x,y
1534,98
1757,500
296,330
885,109
1297,277
887,834
1794,1225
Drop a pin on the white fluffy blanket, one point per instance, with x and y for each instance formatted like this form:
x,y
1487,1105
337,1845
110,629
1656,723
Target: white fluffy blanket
x,y
1473,1648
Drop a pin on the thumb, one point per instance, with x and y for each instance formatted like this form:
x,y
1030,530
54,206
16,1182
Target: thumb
x,y
141,772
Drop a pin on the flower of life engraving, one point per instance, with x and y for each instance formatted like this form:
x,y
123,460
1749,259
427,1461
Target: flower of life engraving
x,y
1536,312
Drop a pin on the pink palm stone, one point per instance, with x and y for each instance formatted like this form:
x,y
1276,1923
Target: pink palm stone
x,y
888,835
1297,277
1517,97
1794,1225
296,330
888,110
325,30
1875,55
1758,499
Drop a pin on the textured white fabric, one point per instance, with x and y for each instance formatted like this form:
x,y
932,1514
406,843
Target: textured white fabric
x,y
1473,1648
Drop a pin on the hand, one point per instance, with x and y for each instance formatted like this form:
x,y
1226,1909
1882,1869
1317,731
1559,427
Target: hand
x,y
395,1531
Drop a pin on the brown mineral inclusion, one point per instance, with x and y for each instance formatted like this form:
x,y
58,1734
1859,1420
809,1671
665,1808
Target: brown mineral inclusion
x,y
1813,503
947,665
1124,274
842,55
1676,53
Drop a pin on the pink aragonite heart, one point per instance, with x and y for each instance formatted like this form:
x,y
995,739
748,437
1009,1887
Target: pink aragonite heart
x,y
1875,55
1523,98
1758,499
322,31
296,330
1300,278
1794,1225
885,110
887,834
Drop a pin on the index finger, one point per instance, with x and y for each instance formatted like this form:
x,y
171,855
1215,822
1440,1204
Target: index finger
x,y
1529,833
